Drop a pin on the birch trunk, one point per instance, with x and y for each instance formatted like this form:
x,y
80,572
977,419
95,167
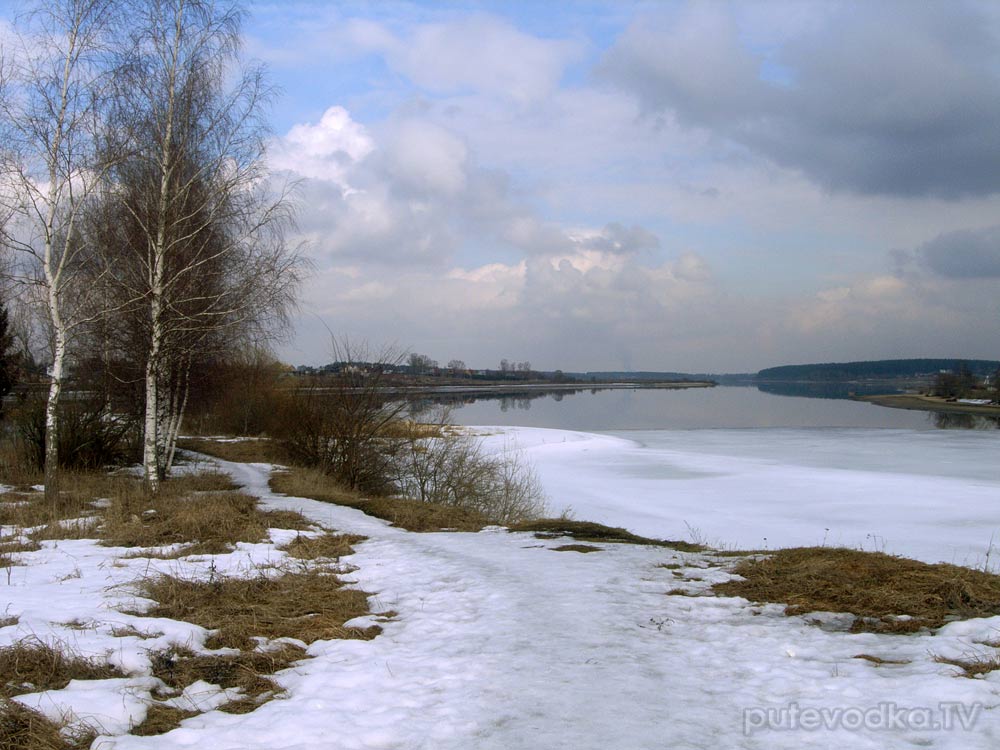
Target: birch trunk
x,y
52,418
151,423
177,415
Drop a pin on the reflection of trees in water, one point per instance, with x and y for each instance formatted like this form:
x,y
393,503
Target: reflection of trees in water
x,y
946,420
520,400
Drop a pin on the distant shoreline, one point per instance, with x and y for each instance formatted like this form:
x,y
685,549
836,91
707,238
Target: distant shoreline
x,y
513,389
928,403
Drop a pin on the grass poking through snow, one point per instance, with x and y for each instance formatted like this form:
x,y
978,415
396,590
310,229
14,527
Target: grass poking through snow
x,y
411,515
22,728
584,548
586,531
30,666
249,672
975,665
332,546
308,605
877,588
160,719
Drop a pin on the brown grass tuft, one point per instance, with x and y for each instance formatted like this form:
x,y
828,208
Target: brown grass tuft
x,y
332,546
975,666
202,481
22,728
875,587
577,548
411,515
586,531
209,522
878,661
160,719
308,606
246,671
30,666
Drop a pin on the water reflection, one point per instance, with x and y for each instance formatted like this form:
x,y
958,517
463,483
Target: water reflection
x,y
825,390
724,407
521,401
950,421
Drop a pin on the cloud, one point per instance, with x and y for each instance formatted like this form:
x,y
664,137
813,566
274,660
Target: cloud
x,y
422,157
882,98
325,150
965,254
479,53
410,192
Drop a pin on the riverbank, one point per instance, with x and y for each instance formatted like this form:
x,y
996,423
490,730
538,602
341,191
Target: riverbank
x,y
514,389
929,403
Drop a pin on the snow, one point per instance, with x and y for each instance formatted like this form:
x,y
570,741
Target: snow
x,y
927,495
498,642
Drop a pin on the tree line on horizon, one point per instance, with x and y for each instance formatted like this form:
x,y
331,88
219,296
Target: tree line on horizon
x,y
878,369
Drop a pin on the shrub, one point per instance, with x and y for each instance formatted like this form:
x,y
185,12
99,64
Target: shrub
x,y
454,470
89,437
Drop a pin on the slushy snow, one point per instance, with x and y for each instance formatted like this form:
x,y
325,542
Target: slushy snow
x,y
498,642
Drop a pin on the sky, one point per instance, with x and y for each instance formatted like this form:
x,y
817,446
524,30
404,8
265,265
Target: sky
x,y
687,186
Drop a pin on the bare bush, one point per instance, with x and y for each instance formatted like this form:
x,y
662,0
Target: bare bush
x,y
455,470
341,428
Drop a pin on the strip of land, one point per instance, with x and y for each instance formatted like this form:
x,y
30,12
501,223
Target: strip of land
x,y
506,389
929,403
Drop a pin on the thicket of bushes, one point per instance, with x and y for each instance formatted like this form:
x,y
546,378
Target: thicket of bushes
x,y
348,429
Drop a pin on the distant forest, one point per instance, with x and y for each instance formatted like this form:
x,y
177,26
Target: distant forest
x,y
878,369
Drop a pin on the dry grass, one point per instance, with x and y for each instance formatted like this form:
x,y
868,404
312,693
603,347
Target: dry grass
x,y
209,522
309,606
202,481
875,587
577,548
247,671
30,666
29,509
878,661
16,469
75,515
975,665
332,546
262,451
410,430
586,531
22,728
411,515
13,546
160,719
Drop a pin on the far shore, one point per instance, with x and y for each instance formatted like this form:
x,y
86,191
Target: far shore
x,y
512,389
928,403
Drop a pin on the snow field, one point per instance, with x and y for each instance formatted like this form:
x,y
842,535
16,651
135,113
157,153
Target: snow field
x,y
499,642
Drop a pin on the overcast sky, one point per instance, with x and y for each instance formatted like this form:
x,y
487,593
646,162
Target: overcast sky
x,y
660,185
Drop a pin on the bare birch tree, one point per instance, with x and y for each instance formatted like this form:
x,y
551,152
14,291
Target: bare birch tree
x,y
201,232
54,82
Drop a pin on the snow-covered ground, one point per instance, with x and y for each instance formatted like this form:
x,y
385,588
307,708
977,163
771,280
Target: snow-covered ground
x,y
502,643
932,495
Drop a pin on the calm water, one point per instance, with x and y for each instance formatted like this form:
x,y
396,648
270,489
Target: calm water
x,y
698,408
